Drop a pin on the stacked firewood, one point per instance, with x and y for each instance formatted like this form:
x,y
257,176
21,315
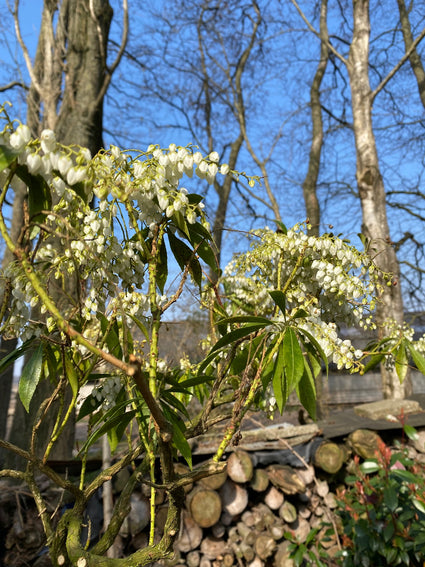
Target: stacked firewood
x,y
245,516
248,514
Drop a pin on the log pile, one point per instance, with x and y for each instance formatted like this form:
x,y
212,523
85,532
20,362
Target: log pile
x,y
239,517
243,516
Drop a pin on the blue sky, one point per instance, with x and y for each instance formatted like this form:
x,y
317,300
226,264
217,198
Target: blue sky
x,y
132,119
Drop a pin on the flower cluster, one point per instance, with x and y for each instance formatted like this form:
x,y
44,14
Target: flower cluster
x,y
101,250
107,390
331,281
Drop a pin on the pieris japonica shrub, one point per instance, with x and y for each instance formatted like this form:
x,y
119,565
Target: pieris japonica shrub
x,y
88,290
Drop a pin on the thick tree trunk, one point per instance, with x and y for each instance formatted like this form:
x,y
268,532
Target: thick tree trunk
x,y
371,186
73,56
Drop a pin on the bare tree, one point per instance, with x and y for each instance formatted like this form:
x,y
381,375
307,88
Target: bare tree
x,y
371,189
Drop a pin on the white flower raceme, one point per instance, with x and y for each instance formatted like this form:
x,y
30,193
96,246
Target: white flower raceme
x,y
88,244
332,282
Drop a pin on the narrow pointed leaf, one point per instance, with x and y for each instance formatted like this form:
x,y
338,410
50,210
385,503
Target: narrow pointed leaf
x,y
280,385
279,299
246,319
317,347
112,337
294,359
15,354
71,375
237,334
185,257
417,357
401,362
306,391
227,340
141,326
39,195
175,403
112,420
30,377
179,439
374,360
162,273
201,242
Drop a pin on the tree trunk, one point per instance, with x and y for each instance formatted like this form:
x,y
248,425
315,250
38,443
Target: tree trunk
x,y
8,346
371,186
72,56
310,181
415,60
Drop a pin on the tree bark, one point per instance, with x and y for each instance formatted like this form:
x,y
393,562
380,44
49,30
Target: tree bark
x,y
9,345
414,59
371,187
310,181
69,80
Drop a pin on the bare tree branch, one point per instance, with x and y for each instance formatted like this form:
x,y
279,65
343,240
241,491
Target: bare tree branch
x,y
124,39
24,48
317,34
13,84
398,65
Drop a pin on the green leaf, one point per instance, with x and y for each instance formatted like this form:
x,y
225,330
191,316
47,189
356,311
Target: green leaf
x,y
299,314
189,383
185,257
39,196
294,359
228,339
162,268
201,243
80,190
194,199
90,405
112,418
404,475
306,391
7,156
175,403
391,498
320,352
401,362
179,439
15,354
281,227
369,467
141,326
280,384
115,434
411,432
71,375
245,319
112,335
180,223
30,377
374,360
417,357
279,298
418,505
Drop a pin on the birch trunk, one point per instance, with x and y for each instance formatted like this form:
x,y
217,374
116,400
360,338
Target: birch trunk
x,y
371,186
